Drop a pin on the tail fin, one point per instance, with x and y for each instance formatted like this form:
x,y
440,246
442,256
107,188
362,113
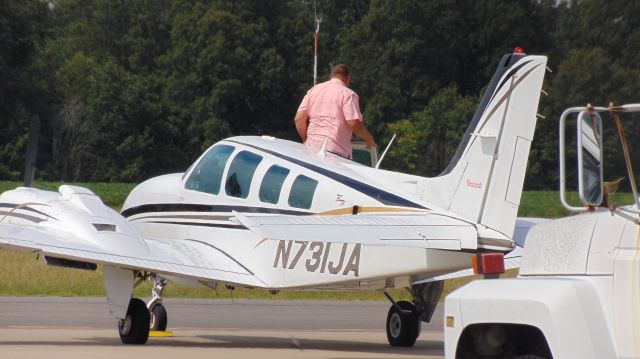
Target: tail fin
x,y
484,180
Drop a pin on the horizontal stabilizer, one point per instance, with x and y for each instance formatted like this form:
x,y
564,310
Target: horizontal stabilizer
x,y
512,259
422,231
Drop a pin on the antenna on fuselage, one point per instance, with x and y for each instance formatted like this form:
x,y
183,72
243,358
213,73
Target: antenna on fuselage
x,y
323,149
385,151
315,46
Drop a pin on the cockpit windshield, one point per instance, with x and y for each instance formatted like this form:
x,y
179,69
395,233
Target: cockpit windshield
x,y
207,175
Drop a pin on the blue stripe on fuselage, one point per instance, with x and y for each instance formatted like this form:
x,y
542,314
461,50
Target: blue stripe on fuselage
x,y
382,196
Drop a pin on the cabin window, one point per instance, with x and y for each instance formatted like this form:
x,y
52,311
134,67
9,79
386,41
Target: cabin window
x,y
362,156
272,184
207,175
302,192
241,173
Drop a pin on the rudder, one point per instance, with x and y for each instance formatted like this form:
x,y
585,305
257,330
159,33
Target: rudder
x,y
483,183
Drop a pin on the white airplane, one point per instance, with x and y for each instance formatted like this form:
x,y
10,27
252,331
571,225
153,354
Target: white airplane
x,y
261,212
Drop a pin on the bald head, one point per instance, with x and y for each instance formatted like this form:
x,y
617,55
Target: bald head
x,y
340,72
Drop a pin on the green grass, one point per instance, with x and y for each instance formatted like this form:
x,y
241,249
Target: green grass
x,y
546,204
22,275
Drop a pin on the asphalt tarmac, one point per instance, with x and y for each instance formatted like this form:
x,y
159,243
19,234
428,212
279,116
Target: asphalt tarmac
x,y
51,327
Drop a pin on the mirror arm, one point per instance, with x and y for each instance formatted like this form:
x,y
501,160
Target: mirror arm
x,y
561,150
626,215
627,157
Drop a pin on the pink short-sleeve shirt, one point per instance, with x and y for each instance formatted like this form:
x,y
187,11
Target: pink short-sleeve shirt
x,y
329,105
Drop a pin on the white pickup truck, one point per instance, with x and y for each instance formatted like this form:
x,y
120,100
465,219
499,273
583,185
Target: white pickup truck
x,y
578,290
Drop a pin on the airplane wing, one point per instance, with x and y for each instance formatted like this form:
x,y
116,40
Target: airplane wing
x,y
425,230
190,259
78,228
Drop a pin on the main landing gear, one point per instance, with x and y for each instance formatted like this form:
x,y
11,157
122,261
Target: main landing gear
x,y
403,324
156,309
141,317
404,318
134,328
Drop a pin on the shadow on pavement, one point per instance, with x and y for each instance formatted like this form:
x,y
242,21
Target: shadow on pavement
x,y
422,347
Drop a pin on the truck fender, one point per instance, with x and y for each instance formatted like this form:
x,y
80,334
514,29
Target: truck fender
x,y
567,312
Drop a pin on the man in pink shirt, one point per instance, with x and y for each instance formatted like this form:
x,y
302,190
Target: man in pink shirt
x,y
331,112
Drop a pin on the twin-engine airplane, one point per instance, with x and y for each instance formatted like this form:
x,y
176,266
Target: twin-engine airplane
x,y
260,212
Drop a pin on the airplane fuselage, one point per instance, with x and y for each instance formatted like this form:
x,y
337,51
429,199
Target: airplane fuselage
x,y
253,175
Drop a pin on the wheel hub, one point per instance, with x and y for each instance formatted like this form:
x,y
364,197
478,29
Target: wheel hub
x,y
395,325
153,317
124,325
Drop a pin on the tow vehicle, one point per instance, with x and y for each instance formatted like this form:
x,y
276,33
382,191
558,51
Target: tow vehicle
x,y
578,290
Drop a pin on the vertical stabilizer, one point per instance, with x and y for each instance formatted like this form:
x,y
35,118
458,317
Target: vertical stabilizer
x,y
483,182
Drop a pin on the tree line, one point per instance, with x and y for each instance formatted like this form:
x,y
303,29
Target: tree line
x,y
126,90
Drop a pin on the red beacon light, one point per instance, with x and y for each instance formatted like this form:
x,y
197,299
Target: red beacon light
x,y
518,50
491,265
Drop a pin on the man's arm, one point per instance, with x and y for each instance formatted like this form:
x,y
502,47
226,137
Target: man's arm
x,y
358,128
301,124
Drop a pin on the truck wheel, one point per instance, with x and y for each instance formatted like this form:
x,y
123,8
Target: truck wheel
x,y
402,329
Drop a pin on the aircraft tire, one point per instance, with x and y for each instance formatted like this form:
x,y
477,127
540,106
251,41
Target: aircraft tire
x,y
402,329
158,318
134,329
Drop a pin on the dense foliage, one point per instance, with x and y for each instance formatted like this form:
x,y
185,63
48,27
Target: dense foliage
x,y
130,89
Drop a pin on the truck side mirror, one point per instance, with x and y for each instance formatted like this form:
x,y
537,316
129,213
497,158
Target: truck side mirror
x,y
590,158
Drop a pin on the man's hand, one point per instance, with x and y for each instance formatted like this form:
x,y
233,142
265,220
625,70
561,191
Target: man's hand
x,y
369,142
358,128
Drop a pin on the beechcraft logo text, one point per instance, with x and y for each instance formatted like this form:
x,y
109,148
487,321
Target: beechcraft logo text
x,y
473,184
